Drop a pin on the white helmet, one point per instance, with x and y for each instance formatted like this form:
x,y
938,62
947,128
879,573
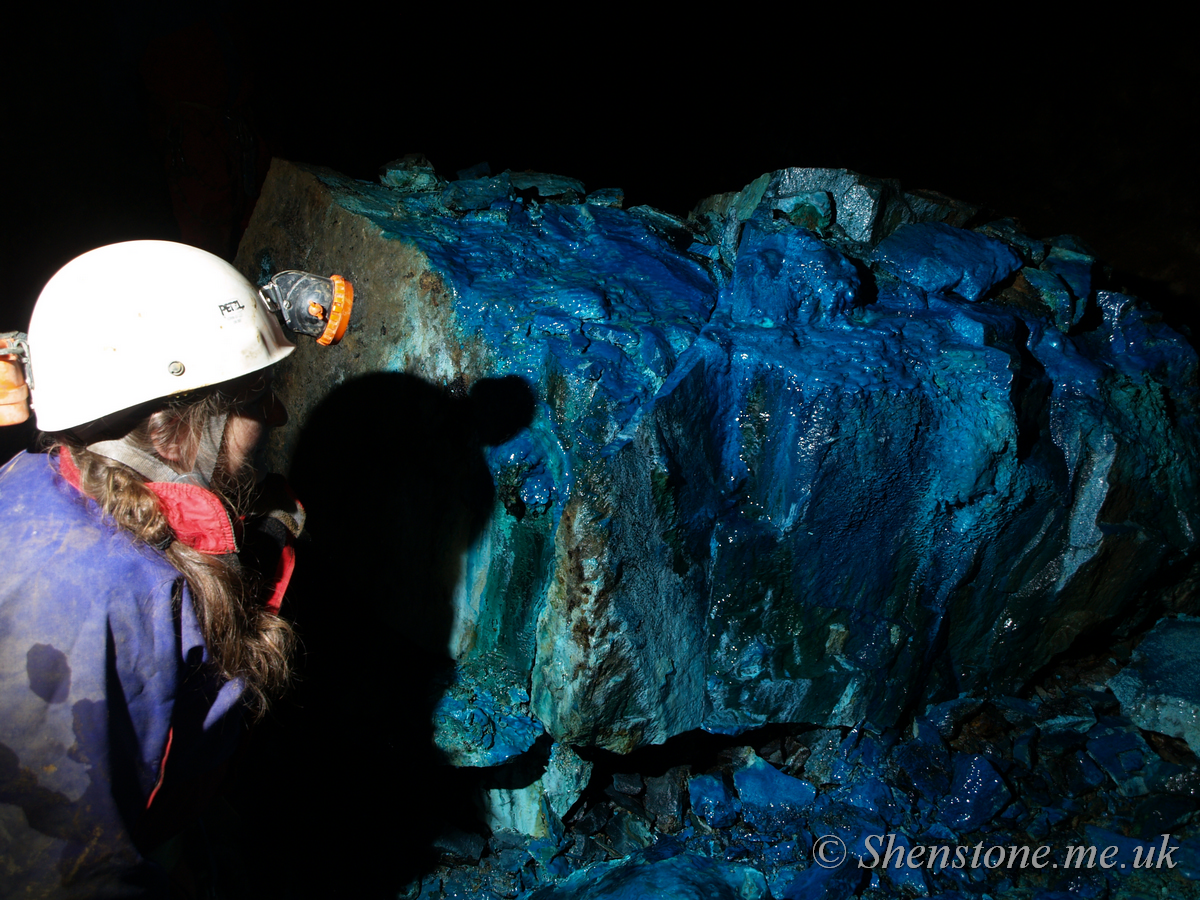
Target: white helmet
x,y
129,323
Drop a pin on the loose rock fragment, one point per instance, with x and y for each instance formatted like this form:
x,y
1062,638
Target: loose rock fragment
x,y
1160,689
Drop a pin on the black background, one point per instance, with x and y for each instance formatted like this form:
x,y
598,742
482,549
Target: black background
x,y
1082,126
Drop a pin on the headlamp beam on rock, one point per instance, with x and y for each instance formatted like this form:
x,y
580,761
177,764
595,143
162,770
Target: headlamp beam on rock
x,y
311,304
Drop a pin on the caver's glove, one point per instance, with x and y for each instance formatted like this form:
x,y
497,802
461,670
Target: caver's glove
x,y
269,533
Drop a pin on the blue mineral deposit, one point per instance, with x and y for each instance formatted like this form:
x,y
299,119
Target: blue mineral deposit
x,y
787,274
815,883
771,801
873,795
938,258
827,453
713,800
685,876
1121,752
976,793
473,729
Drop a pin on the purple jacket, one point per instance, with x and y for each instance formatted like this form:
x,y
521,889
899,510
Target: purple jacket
x,y
101,666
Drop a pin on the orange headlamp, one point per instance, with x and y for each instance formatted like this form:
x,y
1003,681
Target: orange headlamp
x,y
311,304
14,392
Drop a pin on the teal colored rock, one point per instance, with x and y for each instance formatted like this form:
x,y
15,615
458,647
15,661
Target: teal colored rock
x,y
1073,266
1064,307
473,728
410,173
1160,688
685,876
814,455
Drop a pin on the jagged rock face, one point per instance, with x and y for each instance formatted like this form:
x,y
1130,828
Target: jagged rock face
x,y
818,456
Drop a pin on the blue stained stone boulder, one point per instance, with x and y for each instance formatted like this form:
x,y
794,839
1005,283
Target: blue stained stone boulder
x,y
789,461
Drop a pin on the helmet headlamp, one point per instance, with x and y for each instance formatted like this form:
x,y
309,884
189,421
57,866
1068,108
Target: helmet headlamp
x,y
211,327
310,304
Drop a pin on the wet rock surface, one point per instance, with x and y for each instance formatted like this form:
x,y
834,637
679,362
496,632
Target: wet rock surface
x,y
818,453
1063,768
815,485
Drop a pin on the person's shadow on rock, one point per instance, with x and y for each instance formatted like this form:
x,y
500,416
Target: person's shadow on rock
x,y
347,783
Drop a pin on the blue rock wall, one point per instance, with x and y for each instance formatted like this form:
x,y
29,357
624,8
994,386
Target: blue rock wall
x,y
818,454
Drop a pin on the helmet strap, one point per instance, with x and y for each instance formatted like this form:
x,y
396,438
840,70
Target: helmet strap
x,y
150,467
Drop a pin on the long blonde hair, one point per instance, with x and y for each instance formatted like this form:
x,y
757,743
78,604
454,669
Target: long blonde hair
x,y
244,639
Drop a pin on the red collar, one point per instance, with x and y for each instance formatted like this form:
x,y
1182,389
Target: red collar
x,y
197,516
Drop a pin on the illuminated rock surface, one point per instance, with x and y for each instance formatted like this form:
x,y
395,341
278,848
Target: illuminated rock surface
x,y
777,472
822,455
